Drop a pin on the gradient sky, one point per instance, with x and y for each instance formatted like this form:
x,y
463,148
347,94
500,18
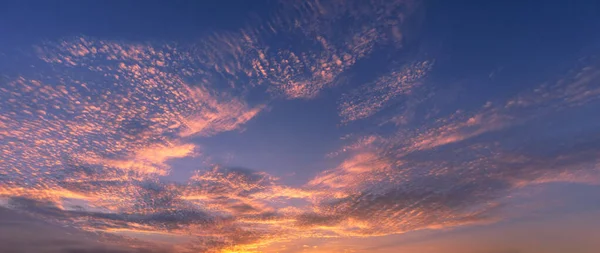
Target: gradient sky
x,y
300,126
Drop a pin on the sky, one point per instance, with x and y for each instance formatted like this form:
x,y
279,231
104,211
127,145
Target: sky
x,y
299,126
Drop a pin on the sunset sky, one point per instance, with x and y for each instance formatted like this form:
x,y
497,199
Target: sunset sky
x,y
299,126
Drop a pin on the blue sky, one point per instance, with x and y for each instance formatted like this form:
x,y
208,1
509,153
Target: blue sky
x,y
300,126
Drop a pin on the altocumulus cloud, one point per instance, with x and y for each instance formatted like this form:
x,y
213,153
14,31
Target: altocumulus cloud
x,y
90,160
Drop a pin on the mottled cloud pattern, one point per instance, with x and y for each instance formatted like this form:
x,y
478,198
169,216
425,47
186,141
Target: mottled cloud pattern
x,y
307,46
87,136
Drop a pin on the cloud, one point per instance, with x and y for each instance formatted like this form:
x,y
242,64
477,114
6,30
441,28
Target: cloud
x,y
83,156
221,113
217,209
24,234
147,160
306,46
453,172
373,97
436,188
457,170
80,142
576,89
163,93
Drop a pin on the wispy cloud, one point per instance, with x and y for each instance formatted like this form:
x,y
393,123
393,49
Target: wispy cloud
x,y
456,170
305,46
373,97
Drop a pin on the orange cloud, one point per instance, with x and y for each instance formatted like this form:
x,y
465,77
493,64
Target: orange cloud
x,y
148,160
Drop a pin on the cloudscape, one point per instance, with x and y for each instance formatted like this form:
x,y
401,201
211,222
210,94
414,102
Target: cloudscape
x,y
299,126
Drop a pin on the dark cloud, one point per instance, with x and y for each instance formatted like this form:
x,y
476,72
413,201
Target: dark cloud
x,y
102,250
167,219
45,208
20,233
453,190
